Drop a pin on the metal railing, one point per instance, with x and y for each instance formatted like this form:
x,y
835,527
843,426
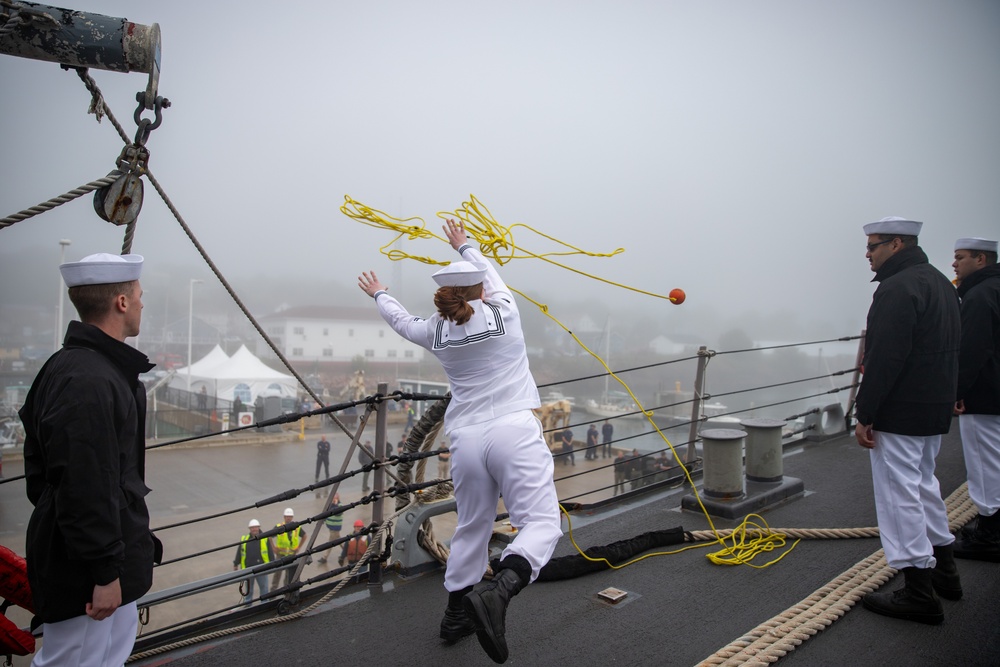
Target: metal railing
x,y
649,444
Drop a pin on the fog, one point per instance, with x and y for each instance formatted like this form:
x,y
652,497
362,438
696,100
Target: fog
x,y
732,149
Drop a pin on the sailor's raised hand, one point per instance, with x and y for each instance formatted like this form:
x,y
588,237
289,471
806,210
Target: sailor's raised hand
x,y
455,231
369,283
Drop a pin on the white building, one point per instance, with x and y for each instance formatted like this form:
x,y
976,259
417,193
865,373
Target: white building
x,y
336,334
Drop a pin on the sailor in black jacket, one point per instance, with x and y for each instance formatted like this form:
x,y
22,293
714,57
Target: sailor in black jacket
x,y
903,406
90,552
978,395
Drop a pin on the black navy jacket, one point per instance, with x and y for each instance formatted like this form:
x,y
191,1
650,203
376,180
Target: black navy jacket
x,y
911,349
84,464
979,360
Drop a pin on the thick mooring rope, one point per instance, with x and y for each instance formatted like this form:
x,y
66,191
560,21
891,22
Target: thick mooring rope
x,y
776,637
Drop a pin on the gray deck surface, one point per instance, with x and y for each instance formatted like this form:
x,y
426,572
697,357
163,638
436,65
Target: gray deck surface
x,y
681,608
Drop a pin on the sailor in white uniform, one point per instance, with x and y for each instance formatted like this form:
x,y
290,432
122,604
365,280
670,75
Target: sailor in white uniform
x,y
903,406
496,441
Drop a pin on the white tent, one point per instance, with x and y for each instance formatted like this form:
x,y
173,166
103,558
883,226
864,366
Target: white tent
x,y
204,365
242,375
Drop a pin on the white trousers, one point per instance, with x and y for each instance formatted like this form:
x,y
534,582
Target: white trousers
x,y
912,518
981,446
84,642
506,455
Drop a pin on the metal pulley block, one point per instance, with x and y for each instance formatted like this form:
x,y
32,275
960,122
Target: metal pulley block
x,y
120,202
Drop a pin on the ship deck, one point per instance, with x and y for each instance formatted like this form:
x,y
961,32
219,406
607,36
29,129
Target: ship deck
x,y
680,610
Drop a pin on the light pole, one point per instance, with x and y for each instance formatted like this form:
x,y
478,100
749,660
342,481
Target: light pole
x,y
190,322
62,290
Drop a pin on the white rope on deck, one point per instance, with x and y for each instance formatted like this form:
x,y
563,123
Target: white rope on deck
x,y
778,636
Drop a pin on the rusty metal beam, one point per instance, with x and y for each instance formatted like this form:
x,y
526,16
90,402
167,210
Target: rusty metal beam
x,y
81,39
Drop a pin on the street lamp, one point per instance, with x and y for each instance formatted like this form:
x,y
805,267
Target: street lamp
x,y
190,316
62,291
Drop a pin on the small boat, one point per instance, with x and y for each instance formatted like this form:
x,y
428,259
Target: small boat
x,y
613,404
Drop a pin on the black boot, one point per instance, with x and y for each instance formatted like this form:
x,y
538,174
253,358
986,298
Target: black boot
x,y
980,541
456,623
915,601
487,604
944,576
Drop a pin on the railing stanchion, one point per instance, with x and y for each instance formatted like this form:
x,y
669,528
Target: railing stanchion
x,y
378,511
699,381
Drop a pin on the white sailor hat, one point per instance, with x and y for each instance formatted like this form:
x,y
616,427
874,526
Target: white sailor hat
x,y
894,225
976,243
460,274
254,523
102,269
289,511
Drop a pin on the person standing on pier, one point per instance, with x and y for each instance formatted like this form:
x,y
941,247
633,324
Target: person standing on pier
x,y
334,524
621,471
592,443
607,435
286,544
251,552
90,552
497,445
978,403
566,438
903,406
323,456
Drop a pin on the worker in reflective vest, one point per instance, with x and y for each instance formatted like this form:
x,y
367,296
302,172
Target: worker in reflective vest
x,y
287,544
252,558
334,523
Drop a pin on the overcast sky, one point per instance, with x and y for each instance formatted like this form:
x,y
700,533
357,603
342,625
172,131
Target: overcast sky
x,y
733,149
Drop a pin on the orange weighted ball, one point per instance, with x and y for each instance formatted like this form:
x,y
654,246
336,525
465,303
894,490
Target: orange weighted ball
x,y
677,296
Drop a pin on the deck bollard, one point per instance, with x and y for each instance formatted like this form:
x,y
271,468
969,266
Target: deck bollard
x,y
763,457
722,450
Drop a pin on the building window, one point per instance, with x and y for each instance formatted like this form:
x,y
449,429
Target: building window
x,y
327,352
350,332
326,331
299,330
369,353
242,392
392,354
408,354
381,333
296,351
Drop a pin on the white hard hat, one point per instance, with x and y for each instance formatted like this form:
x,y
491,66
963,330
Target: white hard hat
x,y
289,511
254,523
